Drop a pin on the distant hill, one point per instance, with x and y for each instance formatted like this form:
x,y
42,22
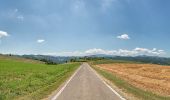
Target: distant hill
x,y
60,59
54,59
142,58
145,59
18,58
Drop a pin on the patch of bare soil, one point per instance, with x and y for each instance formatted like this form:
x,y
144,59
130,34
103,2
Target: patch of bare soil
x,y
155,78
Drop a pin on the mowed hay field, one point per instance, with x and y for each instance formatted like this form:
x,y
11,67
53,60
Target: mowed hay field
x,y
149,77
28,80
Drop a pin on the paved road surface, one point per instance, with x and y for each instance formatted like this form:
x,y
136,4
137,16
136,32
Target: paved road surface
x,y
86,85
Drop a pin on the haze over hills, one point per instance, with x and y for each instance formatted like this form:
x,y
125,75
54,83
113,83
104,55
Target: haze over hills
x,y
65,59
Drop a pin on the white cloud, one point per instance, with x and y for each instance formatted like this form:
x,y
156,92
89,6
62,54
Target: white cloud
x,y
16,15
120,52
40,40
94,51
3,34
161,50
153,51
123,37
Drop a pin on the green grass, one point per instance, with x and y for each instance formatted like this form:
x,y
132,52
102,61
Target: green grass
x,y
31,81
144,95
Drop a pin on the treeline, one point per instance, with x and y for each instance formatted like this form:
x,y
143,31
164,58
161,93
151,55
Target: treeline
x,y
48,59
144,59
48,62
141,59
59,60
86,59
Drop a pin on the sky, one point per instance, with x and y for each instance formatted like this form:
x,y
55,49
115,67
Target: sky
x,y
85,27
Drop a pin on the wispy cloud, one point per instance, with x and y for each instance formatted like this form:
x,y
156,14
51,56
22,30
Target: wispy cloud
x,y
40,40
123,37
15,10
15,15
121,52
3,34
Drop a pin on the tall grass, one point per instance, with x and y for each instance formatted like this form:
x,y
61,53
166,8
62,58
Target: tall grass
x,y
31,81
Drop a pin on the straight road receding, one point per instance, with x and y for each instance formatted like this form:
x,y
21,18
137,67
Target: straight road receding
x,y
85,84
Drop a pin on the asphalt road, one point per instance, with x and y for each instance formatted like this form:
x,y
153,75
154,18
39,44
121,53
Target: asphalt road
x,y
86,85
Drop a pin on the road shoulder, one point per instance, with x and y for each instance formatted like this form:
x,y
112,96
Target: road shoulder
x,y
53,95
121,92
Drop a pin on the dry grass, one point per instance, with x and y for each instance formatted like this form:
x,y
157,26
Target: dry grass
x,y
150,77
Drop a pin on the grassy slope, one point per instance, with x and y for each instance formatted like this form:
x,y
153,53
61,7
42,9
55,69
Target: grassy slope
x,y
19,59
25,80
144,95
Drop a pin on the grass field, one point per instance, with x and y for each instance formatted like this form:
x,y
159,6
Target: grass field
x,y
31,81
144,81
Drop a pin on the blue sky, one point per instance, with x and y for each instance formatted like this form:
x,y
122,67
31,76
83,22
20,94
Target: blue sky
x,y
83,27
